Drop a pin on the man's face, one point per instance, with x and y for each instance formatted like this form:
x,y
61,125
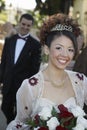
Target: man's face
x,y
25,26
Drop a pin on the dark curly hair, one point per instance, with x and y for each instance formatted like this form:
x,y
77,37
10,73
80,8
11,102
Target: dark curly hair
x,y
46,35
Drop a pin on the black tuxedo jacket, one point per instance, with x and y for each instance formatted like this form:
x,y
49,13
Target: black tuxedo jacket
x,y
28,63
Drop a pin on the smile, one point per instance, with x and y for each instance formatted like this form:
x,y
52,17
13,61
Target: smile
x,y
63,61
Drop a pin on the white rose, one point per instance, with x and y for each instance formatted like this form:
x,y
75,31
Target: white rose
x,y
82,121
78,127
45,113
36,128
77,111
53,123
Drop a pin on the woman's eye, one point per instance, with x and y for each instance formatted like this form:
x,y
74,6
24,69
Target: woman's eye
x,y
58,48
71,50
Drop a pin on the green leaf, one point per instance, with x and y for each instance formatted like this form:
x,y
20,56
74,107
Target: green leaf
x,y
31,122
42,123
54,112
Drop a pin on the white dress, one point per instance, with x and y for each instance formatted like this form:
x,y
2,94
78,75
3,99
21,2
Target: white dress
x,y
30,100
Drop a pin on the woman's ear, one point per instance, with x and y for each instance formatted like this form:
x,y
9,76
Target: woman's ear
x,y
46,50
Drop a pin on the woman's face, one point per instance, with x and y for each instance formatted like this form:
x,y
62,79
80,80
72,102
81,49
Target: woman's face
x,y
61,52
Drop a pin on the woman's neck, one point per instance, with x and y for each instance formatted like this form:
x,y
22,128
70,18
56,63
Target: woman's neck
x,y
54,73
56,78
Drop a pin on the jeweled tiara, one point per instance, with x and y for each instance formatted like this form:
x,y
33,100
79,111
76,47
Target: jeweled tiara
x,y
60,27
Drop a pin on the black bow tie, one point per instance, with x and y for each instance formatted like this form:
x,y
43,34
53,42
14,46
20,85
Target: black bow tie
x,y
23,38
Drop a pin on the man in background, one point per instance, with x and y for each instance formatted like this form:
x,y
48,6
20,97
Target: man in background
x,y
20,59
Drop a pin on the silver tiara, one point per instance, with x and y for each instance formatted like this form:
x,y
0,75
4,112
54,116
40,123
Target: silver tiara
x,y
60,27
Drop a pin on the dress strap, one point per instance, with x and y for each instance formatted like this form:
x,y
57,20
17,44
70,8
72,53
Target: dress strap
x,y
31,93
41,84
78,86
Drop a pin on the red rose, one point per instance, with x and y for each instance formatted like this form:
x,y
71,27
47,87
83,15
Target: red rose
x,y
43,128
36,120
61,128
66,118
62,108
70,122
64,112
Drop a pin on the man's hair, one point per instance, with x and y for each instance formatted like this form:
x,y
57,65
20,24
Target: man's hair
x,y
27,16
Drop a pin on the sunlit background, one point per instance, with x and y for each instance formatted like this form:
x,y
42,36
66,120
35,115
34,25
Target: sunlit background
x,y
24,4
11,10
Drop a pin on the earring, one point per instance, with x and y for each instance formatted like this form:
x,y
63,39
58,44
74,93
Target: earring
x,y
45,54
45,58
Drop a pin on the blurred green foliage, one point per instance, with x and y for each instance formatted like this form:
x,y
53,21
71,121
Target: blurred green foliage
x,y
2,5
3,17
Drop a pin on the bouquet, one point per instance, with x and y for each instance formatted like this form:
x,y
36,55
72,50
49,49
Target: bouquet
x,y
60,118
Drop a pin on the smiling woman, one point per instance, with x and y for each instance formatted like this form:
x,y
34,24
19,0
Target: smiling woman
x,y
24,4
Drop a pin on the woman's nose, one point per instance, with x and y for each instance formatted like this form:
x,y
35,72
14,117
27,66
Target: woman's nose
x,y
65,53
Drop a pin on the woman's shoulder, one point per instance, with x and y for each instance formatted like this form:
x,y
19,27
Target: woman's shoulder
x,y
33,78
71,72
30,87
31,83
76,76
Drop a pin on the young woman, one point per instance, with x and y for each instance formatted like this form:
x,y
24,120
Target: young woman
x,y
53,85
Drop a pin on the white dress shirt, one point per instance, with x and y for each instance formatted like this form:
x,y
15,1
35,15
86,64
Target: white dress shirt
x,y
19,46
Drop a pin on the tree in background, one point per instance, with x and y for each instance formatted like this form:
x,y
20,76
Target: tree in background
x,y
49,7
2,5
